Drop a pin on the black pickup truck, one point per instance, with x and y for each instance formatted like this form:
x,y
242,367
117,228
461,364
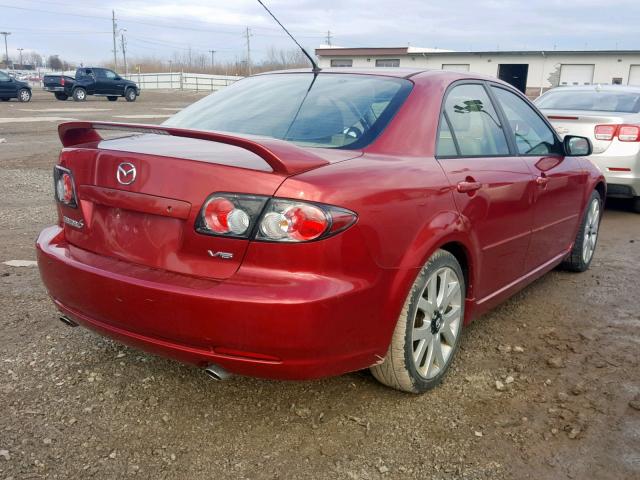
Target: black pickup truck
x,y
91,81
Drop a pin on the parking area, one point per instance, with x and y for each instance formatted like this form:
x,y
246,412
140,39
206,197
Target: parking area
x,y
546,386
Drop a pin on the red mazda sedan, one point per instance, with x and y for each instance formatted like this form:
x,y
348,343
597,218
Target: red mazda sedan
x,y
299,225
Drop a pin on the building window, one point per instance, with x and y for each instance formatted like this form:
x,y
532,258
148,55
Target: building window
x,y
388,62
616,81
342,62
456,67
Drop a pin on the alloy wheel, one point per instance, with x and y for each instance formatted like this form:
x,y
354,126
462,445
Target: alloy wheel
x,y
437,322
591,227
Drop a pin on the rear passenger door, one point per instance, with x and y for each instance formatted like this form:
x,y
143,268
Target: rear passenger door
x,y
559,180
492,187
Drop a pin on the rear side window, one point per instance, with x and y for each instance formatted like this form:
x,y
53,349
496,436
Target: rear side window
x,y
532,135
591,100
446,145
474,121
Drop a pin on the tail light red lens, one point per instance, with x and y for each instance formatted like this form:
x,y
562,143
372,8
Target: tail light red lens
x,y
272,220
605,132
230,215
629,133
62,81
625,133
64,186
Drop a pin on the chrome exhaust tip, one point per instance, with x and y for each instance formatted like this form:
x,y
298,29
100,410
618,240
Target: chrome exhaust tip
x,y
216,373
67,321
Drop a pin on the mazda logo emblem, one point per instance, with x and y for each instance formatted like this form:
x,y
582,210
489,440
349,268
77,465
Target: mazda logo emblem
x,y
126,173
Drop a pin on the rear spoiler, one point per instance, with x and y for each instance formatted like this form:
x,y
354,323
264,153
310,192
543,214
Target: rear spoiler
x,y
282,156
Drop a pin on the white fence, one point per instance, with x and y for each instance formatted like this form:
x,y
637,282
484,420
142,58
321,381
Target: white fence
x,y
182,81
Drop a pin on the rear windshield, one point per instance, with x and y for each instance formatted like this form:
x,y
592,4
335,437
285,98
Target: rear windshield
x,y
324,110
591,100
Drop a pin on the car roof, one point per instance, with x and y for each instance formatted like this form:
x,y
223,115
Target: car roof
x,y
597,88
394,72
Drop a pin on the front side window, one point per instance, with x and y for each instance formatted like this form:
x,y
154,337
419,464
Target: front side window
x,y
339,62
110,75
532,135
325,110
388,62
474,121
4,77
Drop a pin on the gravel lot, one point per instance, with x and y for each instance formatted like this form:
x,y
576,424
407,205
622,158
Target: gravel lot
x,y
547,386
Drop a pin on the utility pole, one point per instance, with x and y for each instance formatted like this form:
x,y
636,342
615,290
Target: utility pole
x,y
329,37
21,64
115,50
6,49
212,52
123,43
248,36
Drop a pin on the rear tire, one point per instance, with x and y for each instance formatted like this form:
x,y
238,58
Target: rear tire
x,y
61,96
112,99
584,246
427,335
24,95
635,204
130,95
79,94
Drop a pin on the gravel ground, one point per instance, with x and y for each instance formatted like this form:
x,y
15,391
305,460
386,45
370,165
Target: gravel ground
x,y
547,386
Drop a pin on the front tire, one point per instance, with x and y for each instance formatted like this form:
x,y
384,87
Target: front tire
x,y
24,95
79,94
584,246
130,95
427,334
61,96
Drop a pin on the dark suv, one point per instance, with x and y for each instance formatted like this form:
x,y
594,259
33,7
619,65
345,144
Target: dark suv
x,y
12,88
91,81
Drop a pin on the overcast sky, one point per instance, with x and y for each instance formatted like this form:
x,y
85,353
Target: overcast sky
x,y
81,31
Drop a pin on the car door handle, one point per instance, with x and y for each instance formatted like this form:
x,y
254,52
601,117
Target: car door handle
x,y
466,187
542,180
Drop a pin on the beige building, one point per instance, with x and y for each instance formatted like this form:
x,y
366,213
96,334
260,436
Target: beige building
x,y
529,71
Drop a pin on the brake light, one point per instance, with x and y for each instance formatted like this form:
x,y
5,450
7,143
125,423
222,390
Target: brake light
x,y
629,133
65,188
274,220
62,81
605,132
625,133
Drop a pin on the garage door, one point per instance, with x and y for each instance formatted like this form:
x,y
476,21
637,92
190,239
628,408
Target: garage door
x,y
634,75
456,67
576,74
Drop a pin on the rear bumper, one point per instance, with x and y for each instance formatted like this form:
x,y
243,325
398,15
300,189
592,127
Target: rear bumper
x,y
620,165
306,327
53,89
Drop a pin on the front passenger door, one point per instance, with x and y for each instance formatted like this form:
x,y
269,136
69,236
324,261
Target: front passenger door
x,y
559,180
492,188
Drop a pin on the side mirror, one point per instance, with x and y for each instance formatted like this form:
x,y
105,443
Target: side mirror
x,y
577,146
117,79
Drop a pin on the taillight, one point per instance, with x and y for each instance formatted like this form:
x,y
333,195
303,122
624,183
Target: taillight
x,y
625,133
64,186
605,132
271,220
229,214
62,81
629,133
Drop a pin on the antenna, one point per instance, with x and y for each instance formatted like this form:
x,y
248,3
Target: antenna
x,y
315,68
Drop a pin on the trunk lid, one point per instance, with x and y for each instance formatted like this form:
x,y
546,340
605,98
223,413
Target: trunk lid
x,y
151,220
582,123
